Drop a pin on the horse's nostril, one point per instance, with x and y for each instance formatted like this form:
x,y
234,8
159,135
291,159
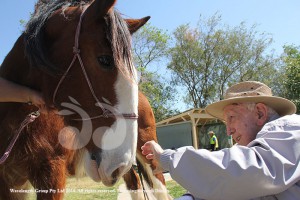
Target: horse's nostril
x,y
119,172
96,157
115,174
93,157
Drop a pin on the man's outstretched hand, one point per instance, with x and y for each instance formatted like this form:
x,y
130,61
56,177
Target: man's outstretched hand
x,y
152,150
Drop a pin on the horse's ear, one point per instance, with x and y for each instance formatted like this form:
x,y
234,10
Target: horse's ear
x,y
135,24
99,8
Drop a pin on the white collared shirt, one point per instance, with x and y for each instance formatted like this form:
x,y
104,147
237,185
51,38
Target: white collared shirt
x,y
267,168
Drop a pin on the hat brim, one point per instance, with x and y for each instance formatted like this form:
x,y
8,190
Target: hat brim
x,y
281,105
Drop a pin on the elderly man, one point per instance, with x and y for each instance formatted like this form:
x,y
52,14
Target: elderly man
x,y
264,164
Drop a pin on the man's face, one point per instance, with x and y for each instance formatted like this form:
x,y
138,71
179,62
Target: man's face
x,y
241,123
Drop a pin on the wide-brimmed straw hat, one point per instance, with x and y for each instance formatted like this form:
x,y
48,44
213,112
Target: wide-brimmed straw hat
x,y
251,91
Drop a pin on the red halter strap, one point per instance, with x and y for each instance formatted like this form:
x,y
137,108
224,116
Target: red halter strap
x,y
106,113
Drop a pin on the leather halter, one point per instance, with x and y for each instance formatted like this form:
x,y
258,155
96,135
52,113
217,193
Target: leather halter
x,y
106,113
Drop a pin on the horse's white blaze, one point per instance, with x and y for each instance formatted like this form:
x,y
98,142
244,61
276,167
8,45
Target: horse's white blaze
x,y
120,140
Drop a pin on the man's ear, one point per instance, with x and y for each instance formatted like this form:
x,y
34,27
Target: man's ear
x,y
261,113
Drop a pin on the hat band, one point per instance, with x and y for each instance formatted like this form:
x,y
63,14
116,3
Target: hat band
x,y
242,94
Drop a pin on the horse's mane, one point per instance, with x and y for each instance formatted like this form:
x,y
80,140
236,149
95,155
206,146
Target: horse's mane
x,y
117,34
120,39
34,37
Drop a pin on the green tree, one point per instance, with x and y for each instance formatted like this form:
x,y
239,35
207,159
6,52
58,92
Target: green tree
x,y
150,45
291,59
207,59
160,95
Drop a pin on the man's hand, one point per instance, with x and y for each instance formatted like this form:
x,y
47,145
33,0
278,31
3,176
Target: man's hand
x,y
35,98
152,150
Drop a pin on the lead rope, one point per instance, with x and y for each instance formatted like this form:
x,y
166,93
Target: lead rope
x,y
29,119
141,178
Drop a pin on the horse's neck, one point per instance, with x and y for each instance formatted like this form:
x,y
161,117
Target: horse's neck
x,y
15,66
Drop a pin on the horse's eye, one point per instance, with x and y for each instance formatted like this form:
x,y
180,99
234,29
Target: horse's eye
x,y
107,62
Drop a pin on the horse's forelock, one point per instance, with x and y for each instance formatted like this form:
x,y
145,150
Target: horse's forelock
x,y
120,39
35,47
117,34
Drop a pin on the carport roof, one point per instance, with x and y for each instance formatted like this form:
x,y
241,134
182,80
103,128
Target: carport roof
x,y
198,114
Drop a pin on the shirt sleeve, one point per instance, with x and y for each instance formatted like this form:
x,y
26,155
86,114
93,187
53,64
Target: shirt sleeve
x,y
268,165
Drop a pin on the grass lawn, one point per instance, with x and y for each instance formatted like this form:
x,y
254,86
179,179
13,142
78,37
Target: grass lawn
x,y
174,189
86,189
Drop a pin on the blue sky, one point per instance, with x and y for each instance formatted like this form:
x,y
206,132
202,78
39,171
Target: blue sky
x,y
280,18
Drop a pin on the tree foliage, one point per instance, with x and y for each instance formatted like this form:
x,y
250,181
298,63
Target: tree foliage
x,y
160,96
291,59
206,59
150,45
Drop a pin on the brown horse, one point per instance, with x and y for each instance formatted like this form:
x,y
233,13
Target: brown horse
x,y
91,97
